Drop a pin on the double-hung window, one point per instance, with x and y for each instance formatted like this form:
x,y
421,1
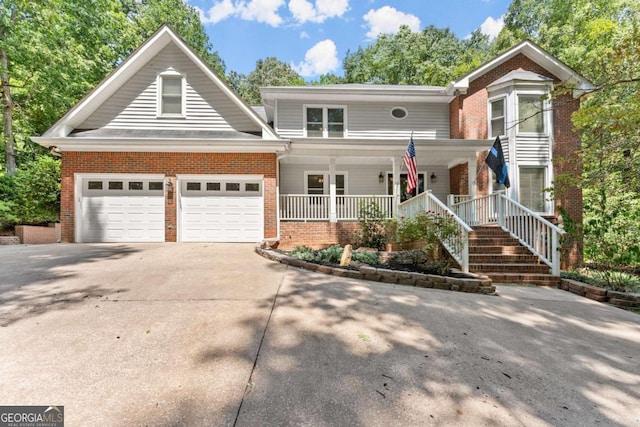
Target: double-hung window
x,y
532,185
324,122
317,183
171,95
531,114
497,117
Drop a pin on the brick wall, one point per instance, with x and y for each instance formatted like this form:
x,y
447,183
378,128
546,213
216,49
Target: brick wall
x,y
469,121
316,235
32,235
169,164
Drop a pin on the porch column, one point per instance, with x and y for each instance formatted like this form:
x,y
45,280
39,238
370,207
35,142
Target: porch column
x,y
473,177
333,217
395,164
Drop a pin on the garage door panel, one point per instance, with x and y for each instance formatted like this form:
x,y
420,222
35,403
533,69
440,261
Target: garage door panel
x,y
125,217
221,216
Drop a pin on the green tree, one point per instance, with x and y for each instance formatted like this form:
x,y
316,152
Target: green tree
x,y
433,56
268,72
600,39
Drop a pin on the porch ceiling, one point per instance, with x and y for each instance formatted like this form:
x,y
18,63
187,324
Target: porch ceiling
x,y
379,152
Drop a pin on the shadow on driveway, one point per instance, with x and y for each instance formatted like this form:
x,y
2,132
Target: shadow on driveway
x,y
39,278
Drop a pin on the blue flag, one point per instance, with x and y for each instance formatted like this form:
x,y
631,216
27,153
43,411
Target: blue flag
x,y
495,160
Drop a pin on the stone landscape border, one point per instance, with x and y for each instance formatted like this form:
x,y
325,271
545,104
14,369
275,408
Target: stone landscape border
x,y
623,300
471,284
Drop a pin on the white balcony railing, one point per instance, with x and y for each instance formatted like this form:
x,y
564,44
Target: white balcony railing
x,y
457,244
305,207
533,231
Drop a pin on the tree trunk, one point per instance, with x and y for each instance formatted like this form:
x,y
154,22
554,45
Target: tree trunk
x,y
7,115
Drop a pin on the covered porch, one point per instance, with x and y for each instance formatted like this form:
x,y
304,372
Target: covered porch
x,y
327,180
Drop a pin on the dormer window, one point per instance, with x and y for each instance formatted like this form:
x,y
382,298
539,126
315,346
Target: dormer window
x,y
171,95
497,117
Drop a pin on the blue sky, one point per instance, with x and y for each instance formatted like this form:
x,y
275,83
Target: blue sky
x,y
314,35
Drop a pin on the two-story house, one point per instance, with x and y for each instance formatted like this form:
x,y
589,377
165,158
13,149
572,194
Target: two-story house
x,y
163,150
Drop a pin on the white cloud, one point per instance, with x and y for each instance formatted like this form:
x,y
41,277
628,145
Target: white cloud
x,y
265,11
261,11
491,27
304,10
304,35
320,59
388,20
218,12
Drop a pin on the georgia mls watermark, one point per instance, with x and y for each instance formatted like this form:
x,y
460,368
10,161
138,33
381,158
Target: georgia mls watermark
x,y
31,416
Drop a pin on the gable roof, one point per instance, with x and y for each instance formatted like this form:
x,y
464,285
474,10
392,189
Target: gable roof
x,y
127,69
536,54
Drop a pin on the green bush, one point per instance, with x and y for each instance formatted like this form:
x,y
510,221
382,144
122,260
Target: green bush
x,y
430,227
303,252
330,255
373,227
365,257
32,194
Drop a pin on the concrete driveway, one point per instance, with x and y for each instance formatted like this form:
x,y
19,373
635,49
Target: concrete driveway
x,y
212,334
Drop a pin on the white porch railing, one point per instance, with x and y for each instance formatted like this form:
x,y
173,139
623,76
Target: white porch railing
x,y
458,244
453,199
348,207
305,207
533,231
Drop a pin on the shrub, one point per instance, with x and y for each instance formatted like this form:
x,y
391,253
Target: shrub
x,y
373,223
330,255
430,227
303,252
610,279
366,257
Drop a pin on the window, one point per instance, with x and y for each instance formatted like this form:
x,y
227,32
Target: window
x,y
94,185
135,185
316,183
324,122
155,185
532,184
193,186
530,114
403,185
399,113
252,186
115,185
213,186
497,118
232,186
171,96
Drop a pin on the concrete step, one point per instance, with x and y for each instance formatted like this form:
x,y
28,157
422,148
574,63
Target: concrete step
x,y
523,279
508,268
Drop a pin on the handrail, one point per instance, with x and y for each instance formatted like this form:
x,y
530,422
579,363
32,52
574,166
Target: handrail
x,y
533,231
458,245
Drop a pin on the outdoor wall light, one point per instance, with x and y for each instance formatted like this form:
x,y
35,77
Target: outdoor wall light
x,y
169,185
434,178
381,178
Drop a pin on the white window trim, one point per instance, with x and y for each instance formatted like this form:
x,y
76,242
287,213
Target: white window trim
x,y
546,111
505,117
325,119
325,184
171,74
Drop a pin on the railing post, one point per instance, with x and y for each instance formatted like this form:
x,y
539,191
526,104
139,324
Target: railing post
x,y
555,263
465,252
501,202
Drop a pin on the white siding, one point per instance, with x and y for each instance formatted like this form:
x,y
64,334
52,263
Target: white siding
x,y
134,105
532,149
373,120
362,180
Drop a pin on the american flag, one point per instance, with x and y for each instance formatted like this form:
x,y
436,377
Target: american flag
x,y
412,167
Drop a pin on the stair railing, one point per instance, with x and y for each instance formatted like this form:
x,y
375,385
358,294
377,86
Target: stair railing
x,y
457,244
534,232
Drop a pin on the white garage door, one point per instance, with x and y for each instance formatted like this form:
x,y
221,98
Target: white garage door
x,y
121,209
221,209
